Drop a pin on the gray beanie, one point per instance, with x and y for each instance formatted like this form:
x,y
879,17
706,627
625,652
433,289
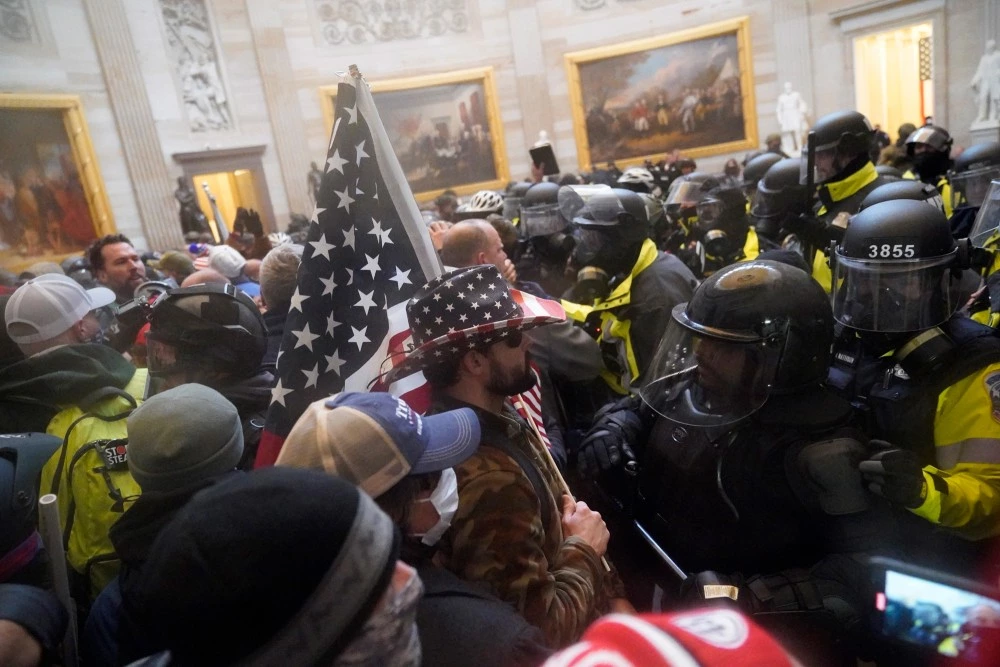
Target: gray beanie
x,y
183,435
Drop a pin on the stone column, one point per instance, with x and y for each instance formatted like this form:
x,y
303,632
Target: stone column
x,y
793,49
134,120
282,100
532,80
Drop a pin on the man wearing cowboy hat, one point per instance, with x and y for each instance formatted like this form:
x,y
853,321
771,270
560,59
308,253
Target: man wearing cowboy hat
x,y
516,528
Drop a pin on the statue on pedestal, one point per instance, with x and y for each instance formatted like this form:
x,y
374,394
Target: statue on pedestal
x,y
192,219
791,111
314,180
986,84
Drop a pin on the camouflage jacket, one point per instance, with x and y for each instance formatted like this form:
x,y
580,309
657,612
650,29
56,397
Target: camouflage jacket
x,y
498,535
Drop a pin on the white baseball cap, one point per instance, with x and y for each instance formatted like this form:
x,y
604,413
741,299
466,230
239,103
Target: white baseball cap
x,y
48,305
227,260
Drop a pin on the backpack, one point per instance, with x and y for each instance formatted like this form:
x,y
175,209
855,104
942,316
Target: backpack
x,y
99,488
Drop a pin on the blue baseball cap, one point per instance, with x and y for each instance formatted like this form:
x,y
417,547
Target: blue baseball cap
x,y
375,439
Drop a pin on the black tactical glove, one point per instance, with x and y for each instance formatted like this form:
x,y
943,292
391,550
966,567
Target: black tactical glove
x,y
895,474
608,443
812,230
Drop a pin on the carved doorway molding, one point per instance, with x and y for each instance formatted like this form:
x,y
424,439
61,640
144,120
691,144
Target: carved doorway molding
x,y
231,160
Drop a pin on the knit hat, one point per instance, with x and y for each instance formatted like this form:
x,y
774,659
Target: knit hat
x,y
697,638
227,260
48,305
276,567
375,439
174,260
183,435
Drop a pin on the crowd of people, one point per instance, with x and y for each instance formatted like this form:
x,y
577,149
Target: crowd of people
x,y
746,383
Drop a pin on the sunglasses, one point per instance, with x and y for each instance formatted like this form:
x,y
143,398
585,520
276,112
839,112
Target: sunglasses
x,y
514,339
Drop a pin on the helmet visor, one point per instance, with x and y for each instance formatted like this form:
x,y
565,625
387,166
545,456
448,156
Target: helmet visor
x,y
986,229
894,295
542,220
704,380
685,194
511,208
573,198
767,203
709,210
970,188
929,135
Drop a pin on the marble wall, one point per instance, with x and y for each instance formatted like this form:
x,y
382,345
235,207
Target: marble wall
x,y
273,55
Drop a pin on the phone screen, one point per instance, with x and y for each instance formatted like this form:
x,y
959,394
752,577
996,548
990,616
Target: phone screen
x,y
943,619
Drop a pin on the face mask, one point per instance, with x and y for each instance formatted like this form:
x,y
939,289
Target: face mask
x,y
389,637
444,498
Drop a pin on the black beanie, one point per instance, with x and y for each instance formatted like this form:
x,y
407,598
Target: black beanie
x,y
280,566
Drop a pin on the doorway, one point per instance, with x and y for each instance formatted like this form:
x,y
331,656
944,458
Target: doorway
x,y
894,76
231,190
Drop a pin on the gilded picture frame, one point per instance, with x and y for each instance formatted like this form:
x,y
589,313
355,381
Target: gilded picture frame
x,y
444,128
690,90
52,198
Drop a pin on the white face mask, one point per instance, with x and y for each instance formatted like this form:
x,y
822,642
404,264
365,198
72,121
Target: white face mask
x,y
444,498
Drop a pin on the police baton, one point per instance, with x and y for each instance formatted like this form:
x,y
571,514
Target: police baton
x,y
807,248
48,524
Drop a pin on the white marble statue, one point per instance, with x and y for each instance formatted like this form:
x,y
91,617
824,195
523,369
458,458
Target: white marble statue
x,y
791,111
986,85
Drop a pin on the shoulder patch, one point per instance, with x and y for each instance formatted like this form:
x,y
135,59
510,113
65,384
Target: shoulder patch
x,y
992,382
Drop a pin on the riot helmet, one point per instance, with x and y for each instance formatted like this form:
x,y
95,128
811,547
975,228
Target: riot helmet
x,y
751,330
904,189
208,328
512,200
779,196
607,228
543,226
722,222
755,170
637,179
687,191
930,149
974,169
888,172
896,269
840,143
22,456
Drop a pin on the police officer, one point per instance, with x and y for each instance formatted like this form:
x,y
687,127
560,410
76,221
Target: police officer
x,y
928,381
547,239
512,201
631,281
745,461
930,149
839,145
904,189
985,240
721,233
681,208
755,170
975,168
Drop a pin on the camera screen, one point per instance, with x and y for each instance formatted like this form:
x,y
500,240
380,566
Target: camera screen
x,y
944,619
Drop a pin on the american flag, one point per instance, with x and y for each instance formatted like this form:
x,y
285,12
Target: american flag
x,y
368,251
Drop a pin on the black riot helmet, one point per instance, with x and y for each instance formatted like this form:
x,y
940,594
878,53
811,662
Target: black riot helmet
x,y
755,170
904,189
512,199
723,223
972,173
779,196
687,191
609,228
888,172
22,456
897,269
205,328
540,211
752,329
929,147
841,143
